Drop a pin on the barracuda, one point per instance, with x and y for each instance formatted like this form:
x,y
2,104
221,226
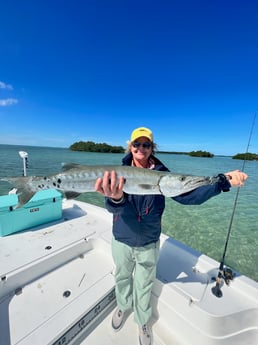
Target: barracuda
x,y
76,179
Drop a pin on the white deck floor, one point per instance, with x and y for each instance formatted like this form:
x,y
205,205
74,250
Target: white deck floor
x,y
128,335
57,286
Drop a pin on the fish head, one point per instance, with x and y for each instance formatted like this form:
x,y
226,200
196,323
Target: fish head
x,y
176,184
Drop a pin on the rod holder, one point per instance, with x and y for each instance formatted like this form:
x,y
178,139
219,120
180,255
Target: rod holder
x,y
24,156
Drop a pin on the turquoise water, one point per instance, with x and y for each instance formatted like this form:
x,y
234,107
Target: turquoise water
x,y
202,227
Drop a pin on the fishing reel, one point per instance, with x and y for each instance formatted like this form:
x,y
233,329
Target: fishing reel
x,y
225,275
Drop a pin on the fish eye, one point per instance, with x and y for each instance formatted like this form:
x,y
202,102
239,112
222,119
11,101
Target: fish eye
x,y
182,178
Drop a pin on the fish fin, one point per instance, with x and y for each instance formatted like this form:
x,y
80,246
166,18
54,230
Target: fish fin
x,y
71,194
146,186
24,196
69,166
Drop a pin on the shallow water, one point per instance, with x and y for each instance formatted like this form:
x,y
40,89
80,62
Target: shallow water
x,y
202,227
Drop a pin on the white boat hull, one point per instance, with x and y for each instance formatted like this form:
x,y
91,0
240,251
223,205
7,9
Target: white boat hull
x,y
57,287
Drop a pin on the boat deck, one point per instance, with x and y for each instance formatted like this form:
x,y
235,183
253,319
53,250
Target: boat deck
x,y
57,288
103,334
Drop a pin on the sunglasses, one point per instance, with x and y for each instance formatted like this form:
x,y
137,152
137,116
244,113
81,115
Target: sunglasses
x,y
145,145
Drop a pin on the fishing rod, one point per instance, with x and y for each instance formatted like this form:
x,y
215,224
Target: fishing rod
x,y
225,273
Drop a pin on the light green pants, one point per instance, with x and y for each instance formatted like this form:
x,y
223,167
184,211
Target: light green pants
x,y
134,276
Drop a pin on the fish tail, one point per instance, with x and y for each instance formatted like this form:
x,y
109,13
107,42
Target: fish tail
x,y
23,192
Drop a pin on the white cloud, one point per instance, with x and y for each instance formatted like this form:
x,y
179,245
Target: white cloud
x,y
8,101
5,86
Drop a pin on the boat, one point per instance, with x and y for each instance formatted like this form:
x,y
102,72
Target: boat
x,y
57,283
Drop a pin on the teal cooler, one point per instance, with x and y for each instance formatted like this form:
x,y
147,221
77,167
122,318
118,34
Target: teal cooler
x,y
45,206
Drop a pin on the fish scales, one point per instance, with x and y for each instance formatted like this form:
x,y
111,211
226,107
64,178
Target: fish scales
x,y
79,179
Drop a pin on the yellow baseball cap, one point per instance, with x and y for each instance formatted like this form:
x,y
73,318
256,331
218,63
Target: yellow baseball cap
x,y
141,132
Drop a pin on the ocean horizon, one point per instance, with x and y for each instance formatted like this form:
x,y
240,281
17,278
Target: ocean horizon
x,y
202,227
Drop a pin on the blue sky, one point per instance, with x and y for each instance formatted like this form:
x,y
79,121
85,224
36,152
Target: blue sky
x,y
95,70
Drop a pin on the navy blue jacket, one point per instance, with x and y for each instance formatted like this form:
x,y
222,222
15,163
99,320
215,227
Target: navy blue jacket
x,y
137,219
